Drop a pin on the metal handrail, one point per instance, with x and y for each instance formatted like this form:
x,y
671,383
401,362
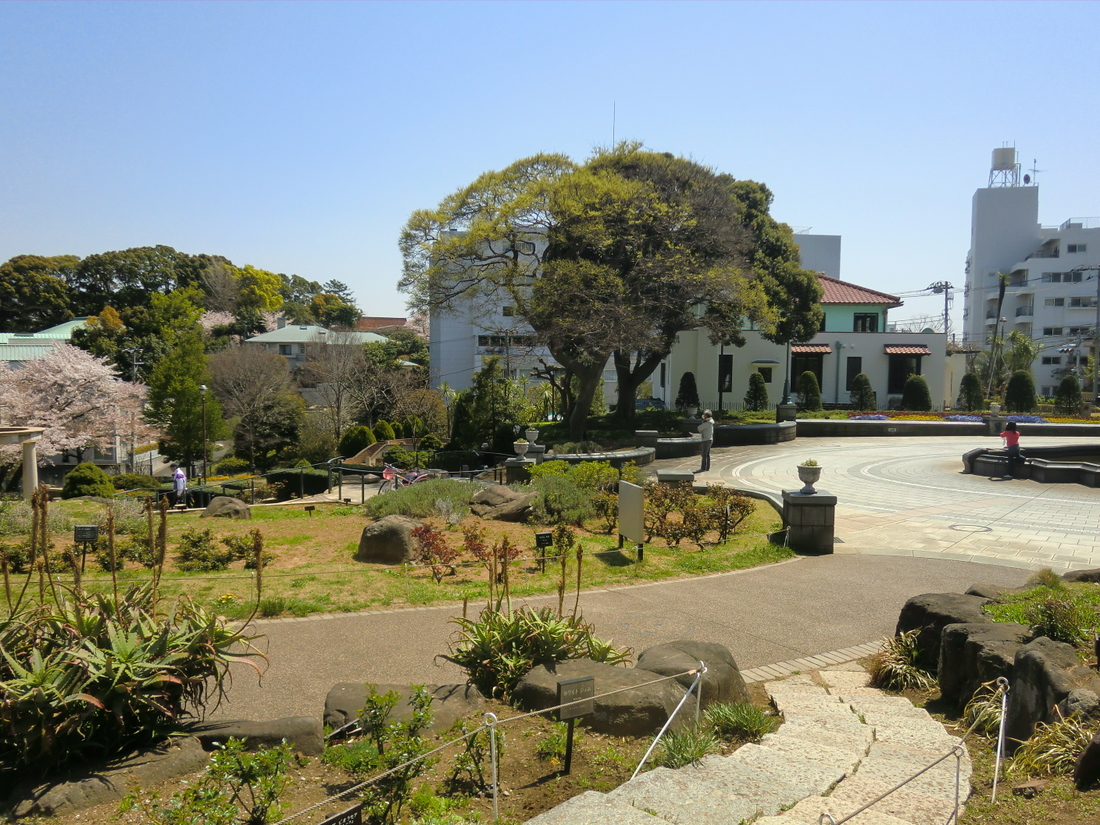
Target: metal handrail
x,y
672,716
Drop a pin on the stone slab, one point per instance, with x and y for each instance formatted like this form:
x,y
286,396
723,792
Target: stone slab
x,y
687,795
813,776
918,808
592,806
809,810
833,757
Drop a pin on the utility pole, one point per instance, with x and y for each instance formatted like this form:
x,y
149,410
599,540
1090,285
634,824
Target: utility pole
x,y
945,287
134,364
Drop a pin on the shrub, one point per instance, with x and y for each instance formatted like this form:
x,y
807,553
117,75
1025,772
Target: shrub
x,y
308,481
915,395
809,392
1061,618
971,396
1067,398
433,550
356,439
684,747
863,397
430,443
398,429
1053,749
756,398
198,552
739,721
559,500
688,393
383,431
897,664
232,466
86,479
419,500
1020,393
499,648
134,481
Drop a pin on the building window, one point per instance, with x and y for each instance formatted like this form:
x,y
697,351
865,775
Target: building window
x,y
1054,302
806,363
725,373
1080,331
1052,277
1082,301
1047,392
663,370
1076,247
766,373
1052,360
855,367
284,349
1052,331
508,311
865,322
901,367
1018,278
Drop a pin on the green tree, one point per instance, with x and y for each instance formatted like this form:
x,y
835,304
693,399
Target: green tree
x,y
333,312
131,277
383,431
756,398
613,257
258,289
33,292
688,393
809,392
1067,398
490,406
355,440
915,395
1020,393
176,403
863,396
971,395
86,479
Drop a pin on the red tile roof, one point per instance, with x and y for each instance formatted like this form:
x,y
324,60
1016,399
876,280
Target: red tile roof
x,y
812,349
904,349
842,292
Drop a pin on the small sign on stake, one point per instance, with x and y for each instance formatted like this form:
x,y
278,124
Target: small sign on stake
x,y
542,541
352,816
581,693
85,532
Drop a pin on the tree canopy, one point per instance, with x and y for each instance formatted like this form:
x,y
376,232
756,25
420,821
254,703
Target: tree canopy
x,y
613,257
33,292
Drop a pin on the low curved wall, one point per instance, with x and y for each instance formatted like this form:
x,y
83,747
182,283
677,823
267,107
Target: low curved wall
x,y
639,455
828,428
735,435
1048,465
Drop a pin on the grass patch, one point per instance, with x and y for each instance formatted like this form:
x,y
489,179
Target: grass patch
x,y
1063,611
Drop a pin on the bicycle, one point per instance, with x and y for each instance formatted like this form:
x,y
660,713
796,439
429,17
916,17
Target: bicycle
x,y
394,478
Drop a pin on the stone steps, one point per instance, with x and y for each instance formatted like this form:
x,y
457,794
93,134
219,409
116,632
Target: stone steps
x,y
840,747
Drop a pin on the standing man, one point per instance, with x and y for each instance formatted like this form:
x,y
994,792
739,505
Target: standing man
x,y
706,434
179,485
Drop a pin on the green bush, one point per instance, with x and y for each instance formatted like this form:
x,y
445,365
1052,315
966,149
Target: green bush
x,y
430,442
398,429
898,666
134,481
971,396
356,439
915,395
739,721
86,479
809,392
863,397
1067,398
232,466
199,552
679,748
309,481
559,500
422,500
688,394
756,398
1020,393
383,431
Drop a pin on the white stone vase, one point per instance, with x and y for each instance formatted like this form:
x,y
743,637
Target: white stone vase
x,y
521,448
532,435
808,474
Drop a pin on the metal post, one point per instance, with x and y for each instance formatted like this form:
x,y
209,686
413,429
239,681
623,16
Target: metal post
x,y
202,392
787,377
721,383
490,719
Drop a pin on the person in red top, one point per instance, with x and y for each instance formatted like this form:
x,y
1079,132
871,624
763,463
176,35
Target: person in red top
x,y
1012,441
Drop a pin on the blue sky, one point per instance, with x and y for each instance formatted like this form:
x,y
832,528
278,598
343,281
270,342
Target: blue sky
x,y
298,137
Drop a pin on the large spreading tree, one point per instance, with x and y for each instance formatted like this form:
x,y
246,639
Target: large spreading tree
x,y
613,258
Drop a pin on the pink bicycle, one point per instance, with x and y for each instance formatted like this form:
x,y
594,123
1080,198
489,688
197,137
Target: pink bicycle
x,y
394,478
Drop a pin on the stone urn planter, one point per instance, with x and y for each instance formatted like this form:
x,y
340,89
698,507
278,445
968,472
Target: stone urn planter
x,y
521,448
809,474
532,435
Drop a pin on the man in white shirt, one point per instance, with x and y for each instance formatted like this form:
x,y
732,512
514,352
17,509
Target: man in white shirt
x,y
706,434
179,485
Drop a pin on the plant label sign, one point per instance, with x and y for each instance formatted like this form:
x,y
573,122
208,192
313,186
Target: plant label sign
x,y
544,539
85,532
352,816
581,691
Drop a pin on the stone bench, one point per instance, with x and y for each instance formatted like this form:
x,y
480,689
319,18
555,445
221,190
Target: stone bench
x,y
675,476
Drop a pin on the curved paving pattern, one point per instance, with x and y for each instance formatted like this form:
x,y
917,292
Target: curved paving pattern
x,y
909,496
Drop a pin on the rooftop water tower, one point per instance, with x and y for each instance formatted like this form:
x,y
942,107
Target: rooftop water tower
x,y
1005,170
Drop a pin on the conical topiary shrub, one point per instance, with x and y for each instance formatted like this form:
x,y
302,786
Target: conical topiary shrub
x,y
915,395
863,397
1020,393
756,399
809,392
688,395
1067,398
971,397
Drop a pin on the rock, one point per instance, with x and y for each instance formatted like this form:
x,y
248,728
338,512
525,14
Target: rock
x,y
1030,789
1082,703
639,711
989,591
972,654
110,782
1086,772
304,734
1092,575
449,703
501,503
1044,675
932,612
388,541
226,507
722,682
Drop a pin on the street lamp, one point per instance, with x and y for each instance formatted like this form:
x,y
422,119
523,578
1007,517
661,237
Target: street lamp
x,y
202,392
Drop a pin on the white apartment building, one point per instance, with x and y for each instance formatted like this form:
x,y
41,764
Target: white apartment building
x,y
1052,274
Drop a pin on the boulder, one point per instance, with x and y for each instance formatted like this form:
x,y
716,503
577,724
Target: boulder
x,y
931,612
1092,576
972,654
639,710
1045,675
722,681
1086,772
449,703
501,504
388,541
304,734
990,591
226,507
111,781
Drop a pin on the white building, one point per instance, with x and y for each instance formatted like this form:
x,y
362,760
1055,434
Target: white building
x,y
1051,271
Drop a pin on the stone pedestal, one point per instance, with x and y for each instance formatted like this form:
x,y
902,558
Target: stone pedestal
x,y
516,470
810,519
30,467
646,438
537,452
995,425
786,412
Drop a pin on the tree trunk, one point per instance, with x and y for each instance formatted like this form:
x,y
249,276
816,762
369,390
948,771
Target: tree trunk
x,y
629,380
588,381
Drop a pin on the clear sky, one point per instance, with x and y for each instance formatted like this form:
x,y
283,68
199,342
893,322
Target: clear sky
x,y
299,136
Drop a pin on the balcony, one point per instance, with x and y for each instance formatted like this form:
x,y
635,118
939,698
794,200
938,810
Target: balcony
x,y
1025,311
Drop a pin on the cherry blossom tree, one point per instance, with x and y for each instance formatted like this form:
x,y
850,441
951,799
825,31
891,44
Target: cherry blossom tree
x,y
76,396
